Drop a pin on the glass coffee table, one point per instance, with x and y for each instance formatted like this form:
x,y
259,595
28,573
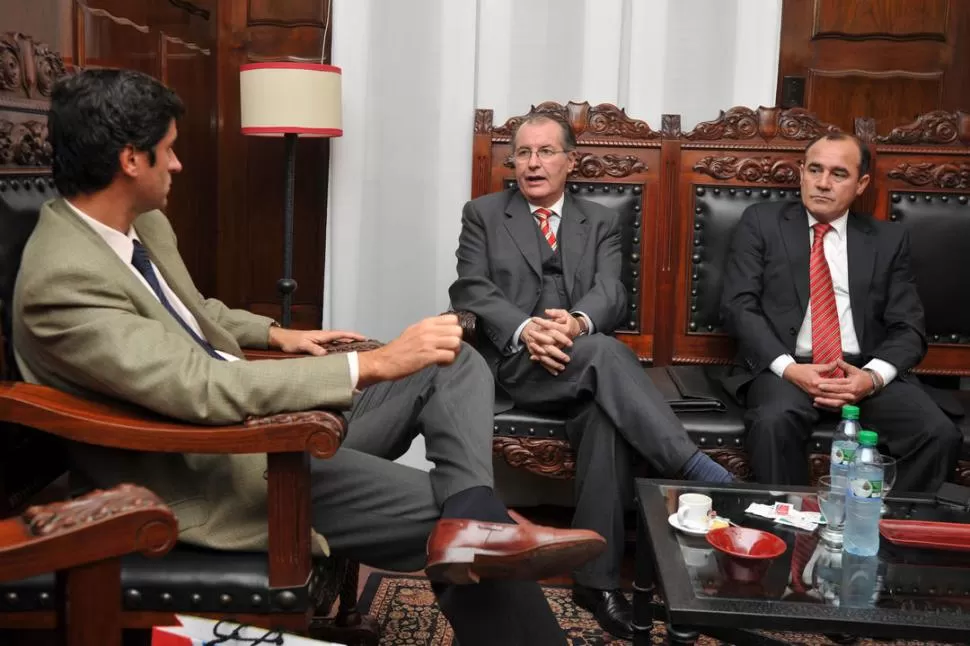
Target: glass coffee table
x,y
913,593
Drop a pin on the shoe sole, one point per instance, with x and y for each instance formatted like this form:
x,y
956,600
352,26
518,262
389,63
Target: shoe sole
x,y
467,565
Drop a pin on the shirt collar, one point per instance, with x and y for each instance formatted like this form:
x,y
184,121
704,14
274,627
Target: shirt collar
x,y
555,208
122,244
838,224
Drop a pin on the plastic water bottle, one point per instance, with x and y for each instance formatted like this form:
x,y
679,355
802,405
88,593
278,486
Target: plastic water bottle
x,y
845,441
860,581
863,501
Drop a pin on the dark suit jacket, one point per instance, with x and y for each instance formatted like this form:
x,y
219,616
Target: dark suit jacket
x,y
766,289
500,273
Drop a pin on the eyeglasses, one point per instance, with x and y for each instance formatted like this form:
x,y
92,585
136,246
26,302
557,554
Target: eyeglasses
x,y
523,155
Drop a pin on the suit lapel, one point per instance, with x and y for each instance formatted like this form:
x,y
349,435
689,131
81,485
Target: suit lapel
x,y
862,259
794,232
522,227
573,231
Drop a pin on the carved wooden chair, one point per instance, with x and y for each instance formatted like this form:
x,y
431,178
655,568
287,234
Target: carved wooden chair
x,y
284,588
681,194
83,540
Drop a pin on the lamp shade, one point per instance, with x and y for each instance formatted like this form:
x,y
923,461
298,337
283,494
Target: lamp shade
x,y
290,98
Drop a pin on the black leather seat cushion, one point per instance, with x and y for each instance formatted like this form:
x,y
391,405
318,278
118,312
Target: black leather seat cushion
x,y
188,579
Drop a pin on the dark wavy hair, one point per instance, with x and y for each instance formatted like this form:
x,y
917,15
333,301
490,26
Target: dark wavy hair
x,y
96,113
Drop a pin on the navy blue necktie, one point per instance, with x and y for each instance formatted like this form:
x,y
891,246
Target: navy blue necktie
x,y
141,262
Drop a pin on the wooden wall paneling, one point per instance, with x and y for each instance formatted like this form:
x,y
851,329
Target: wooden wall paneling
x,y
250,169
115,33
927,159
613,149
885,59
742,152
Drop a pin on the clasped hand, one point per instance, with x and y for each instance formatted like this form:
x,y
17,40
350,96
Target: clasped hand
x,y
548,338
830,392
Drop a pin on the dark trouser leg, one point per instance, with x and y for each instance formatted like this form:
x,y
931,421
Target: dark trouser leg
x,y
380,513
604,488
779,419
604,370
916,432
450,405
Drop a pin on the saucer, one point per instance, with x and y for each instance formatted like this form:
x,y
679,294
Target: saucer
x,y
672,519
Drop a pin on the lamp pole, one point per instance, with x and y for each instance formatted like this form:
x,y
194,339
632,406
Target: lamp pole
x,y
287,285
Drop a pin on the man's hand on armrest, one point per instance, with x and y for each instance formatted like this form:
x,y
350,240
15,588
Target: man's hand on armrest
x,y
308,341
435,340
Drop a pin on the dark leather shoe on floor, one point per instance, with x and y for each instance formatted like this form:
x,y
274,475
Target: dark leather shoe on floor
x,y
465,551
612,610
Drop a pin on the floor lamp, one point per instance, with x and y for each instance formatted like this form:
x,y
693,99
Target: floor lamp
x,y
289,100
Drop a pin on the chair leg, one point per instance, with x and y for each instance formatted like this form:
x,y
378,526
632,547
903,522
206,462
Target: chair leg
x,y
90,609
348,626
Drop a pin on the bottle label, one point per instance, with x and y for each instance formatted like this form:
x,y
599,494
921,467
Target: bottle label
x,y
843,452
865,488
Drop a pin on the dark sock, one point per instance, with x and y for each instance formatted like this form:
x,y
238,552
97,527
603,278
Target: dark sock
x,y
701,468
477,503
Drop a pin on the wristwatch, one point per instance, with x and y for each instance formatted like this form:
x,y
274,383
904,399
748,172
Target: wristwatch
x,y
583,328
876,380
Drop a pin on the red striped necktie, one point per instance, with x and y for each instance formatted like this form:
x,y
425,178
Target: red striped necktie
x,y
826,333
547,232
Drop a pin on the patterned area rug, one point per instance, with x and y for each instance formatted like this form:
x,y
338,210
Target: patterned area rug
x,y
405,610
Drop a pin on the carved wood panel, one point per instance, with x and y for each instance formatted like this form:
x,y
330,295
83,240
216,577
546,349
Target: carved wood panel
x,y
289,13
900,19
884,96
888,59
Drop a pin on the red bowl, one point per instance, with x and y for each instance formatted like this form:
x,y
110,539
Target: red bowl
x,y
744,553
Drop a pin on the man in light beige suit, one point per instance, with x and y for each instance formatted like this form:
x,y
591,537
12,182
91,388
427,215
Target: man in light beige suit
x,y
107,310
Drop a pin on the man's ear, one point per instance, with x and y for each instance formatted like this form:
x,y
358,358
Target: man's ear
x,y
863,183
572,161
128,161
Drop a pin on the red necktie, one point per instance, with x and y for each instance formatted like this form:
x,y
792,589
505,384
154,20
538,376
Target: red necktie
x,y
826,334
544,215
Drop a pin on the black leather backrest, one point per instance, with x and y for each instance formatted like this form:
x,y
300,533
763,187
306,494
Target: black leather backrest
x,y
21,197
627,200
939,231
717,211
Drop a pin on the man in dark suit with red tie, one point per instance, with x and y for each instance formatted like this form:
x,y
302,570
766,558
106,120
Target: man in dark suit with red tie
x,y
823,305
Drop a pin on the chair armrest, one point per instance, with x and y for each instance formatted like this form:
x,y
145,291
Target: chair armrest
x,y
98,526
318,432
335,347
469,323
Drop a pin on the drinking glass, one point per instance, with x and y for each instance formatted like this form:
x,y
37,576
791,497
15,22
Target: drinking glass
x,y
831,500
888,477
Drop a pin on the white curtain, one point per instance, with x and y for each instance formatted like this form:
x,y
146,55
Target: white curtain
x,y
413,74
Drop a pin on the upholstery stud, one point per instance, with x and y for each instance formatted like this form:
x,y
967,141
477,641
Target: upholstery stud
x,y
895,197
911,197
12,598
166,598
132,598
637,190
15,184
717,191
286,599
225,599
699,190
196,598
963,199
732,191
3,186
256,600
720,441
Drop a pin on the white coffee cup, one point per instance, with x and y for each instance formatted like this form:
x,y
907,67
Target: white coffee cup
x,y
694,511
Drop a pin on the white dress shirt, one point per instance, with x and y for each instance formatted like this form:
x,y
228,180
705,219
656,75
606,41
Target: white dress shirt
x,y
554,220
123,245
837,258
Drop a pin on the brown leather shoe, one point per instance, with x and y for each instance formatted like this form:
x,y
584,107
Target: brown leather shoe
x,y
465,551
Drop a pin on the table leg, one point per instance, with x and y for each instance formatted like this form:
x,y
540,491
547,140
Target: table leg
x,y
644,578
681,636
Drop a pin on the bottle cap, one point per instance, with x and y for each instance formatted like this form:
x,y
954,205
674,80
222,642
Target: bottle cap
x,y
868,438
850,412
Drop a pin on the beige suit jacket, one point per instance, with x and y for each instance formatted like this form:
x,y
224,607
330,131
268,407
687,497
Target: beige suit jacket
x,y
86,325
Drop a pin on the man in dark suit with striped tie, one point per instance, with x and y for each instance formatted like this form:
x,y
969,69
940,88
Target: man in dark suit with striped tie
x,y
823,305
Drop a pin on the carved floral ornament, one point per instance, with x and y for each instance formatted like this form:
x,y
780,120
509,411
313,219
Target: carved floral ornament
x,y
739,123
24,143
27,67
766,170
603,120
96,506
949,176
937,127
